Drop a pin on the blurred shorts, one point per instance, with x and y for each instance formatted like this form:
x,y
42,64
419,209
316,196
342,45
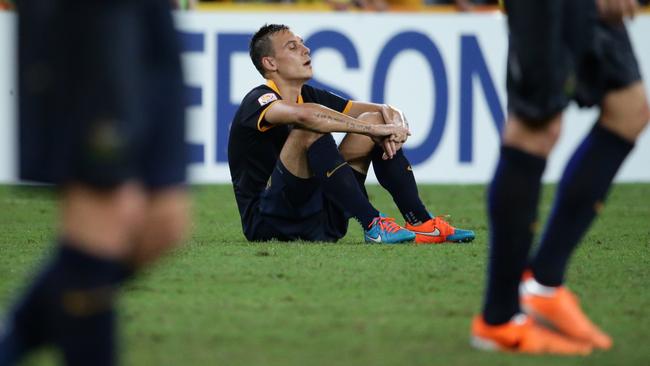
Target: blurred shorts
x,y
101,93
561,51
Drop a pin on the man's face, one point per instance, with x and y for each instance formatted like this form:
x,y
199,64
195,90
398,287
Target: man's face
x,y
292,57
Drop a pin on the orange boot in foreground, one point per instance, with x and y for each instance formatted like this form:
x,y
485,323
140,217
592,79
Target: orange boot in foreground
x,y
560,308
523,335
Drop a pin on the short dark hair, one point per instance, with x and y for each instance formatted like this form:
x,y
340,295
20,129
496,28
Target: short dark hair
x,y
260,45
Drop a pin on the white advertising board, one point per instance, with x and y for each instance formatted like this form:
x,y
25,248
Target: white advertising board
x,y
445,71
7,97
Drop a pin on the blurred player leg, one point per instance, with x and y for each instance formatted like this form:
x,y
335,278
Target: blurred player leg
x,y
586,75
116,149
512,206
580,197
536,96
612,80
587,179
71,301
164,226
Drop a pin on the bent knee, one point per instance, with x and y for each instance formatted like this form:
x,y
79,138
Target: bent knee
x,y
371,117
626,111
171,222
101,221
535,138
167,220
171,229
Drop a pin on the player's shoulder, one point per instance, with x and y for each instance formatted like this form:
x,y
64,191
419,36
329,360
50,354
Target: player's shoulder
x,y
322,96
314,94
260,96
310,90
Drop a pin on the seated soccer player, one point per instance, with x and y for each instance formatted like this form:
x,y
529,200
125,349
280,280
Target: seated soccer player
x,y
292,181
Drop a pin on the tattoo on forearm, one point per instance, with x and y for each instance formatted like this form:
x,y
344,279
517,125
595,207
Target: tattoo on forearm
x,y
328,117
349,124
362,127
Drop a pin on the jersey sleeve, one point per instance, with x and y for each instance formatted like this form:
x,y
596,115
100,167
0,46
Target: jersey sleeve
x,y
328,99
254,107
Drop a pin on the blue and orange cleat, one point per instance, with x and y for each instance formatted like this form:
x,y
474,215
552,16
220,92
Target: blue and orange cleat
x,y
384,230
436,231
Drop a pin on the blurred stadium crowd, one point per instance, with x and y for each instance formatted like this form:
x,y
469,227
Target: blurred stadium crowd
x,y
341,5
376,5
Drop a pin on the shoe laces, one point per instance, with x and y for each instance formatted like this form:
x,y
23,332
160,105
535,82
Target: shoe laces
x,y
386,224
441,223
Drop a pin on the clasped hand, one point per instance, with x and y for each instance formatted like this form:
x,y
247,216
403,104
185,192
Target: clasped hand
x,y
395,118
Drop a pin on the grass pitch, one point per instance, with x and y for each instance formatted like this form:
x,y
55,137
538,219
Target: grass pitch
x,y
222,301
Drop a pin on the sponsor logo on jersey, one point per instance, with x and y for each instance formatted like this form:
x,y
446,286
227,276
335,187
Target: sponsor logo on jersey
x,y
267,98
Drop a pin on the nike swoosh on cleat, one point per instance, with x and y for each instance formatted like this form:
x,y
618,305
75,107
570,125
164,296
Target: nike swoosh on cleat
x,y
330,172
435,232
376,240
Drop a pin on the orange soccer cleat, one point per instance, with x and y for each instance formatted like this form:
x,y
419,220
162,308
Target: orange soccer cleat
x,y
436,230
560,308
523,335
